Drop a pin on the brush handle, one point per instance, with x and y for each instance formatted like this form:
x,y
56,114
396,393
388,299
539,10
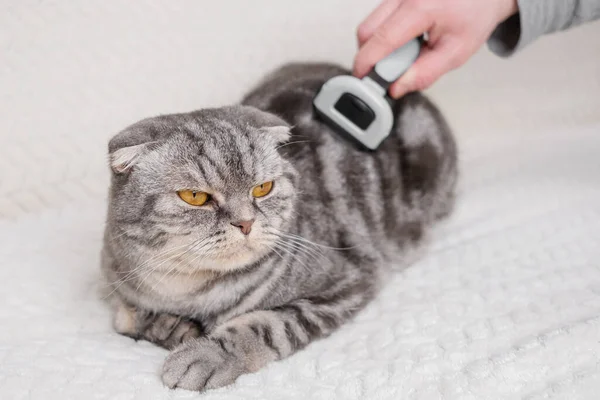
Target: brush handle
x,y
395,64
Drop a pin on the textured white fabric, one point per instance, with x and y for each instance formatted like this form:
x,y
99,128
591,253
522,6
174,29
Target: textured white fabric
x,y
506,304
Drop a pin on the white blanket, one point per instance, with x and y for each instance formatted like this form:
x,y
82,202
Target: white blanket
x,y
505,304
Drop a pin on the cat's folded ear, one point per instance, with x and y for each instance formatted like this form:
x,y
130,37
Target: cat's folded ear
x,y
270,124
123,159
126,147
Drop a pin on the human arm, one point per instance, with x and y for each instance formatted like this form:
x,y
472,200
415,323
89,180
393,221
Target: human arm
x,y
536,18
457,29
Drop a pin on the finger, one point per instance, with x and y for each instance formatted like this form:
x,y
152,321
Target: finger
x,y
406,23
375,19
427,69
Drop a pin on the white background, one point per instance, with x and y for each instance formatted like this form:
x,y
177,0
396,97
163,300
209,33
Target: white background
x,y
506,303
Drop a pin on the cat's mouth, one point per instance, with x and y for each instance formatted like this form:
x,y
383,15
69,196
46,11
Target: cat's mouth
x,y
244,248
240,253
233,251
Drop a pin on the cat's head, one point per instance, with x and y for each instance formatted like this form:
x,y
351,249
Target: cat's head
x,y
207,190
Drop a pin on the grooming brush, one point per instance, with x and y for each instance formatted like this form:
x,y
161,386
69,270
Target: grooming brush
x,y
361,108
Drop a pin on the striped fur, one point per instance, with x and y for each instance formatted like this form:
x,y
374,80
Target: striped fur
x,y
322,242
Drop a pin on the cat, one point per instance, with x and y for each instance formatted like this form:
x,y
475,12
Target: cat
x,y
237,235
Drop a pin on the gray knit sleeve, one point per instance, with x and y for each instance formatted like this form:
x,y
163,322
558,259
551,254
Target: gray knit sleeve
x,y
540,17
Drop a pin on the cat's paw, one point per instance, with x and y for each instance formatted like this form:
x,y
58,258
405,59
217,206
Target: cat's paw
x,y
169,331
201,364
164,330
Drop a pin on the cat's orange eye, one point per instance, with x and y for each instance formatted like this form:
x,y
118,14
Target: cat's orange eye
x,y
263,189
193,197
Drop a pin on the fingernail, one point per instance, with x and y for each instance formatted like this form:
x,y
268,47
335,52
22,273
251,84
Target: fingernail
x,y
401,87
397,91
356,71
408,77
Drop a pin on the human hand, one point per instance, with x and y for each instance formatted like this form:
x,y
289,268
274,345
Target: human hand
x,y
456,29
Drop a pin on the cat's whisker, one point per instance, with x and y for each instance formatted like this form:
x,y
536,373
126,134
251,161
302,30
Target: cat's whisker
x,y
320,263
167,273
197,245
137,268
294,257
304,240
306,245
292,236
174,268
168,254
317,250
305,249
134,273
295,142
278,253
178,272
315,254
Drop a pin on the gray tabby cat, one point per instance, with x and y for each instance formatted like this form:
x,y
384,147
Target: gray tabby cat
x,y
238,235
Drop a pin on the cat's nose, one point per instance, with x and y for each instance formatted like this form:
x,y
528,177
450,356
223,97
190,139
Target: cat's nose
x,y
245,226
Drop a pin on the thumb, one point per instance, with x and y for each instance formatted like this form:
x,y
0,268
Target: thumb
x,y
431,64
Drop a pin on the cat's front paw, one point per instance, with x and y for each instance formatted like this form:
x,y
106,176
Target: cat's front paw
x,y
169,331
164,330
201,364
